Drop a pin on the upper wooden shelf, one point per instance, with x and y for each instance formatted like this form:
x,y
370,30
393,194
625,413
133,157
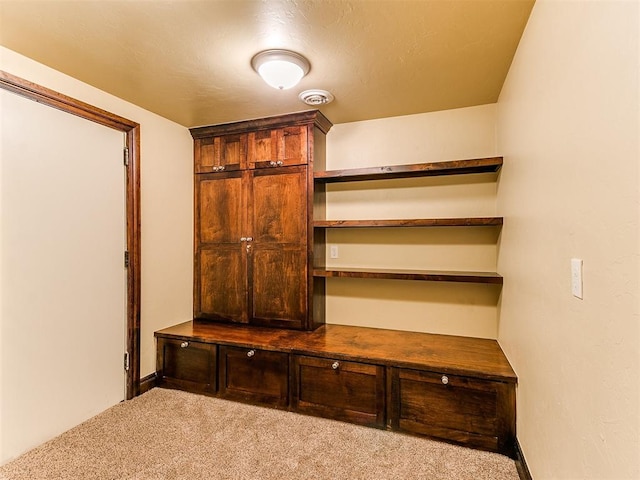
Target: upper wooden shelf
x,y
421,275
454,167
415,222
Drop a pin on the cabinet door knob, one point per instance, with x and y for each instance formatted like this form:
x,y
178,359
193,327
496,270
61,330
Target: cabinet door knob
x,y
335,365
184,344
221,168
249,239
279,163
215,169
445,379
272,163
243,239
251,353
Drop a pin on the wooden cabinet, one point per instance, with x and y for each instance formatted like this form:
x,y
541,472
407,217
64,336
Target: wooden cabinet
x,y
253,228
260,260
254,375
466,410
187,365
343,390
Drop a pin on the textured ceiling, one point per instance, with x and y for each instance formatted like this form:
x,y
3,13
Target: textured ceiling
x,y
189,61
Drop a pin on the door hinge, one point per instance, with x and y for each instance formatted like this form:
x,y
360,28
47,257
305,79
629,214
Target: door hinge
x,y
126,156
126,361
126,259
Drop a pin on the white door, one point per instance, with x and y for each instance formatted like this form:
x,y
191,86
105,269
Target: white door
x,y
63,281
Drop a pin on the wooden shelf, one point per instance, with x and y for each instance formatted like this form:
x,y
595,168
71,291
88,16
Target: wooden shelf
x,y
454,167
412,222
420,275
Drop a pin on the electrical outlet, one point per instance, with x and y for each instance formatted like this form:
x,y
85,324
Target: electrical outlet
x,y
333,251
576,277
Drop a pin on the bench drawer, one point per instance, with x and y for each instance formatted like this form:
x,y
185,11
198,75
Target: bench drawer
x,y
465,410
186,365
348,391
255,376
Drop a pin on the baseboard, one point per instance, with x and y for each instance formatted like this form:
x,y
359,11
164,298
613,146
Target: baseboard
x,y
148,382
521,464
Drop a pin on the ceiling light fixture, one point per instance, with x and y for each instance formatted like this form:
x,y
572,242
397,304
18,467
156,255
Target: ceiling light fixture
x,y
281,69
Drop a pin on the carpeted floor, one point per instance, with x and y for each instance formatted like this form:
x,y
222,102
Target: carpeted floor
x,y
166,434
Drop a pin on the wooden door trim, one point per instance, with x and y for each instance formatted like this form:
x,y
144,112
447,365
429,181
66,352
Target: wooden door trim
x,y
54,99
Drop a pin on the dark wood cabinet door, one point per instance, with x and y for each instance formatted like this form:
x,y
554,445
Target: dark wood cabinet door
x,y
278,255
262,148
220,265
464,410
186,365
220,208
278,147
232,151
349,391
279,206
221,283
279,285
256,376
204,155
221,153
292,142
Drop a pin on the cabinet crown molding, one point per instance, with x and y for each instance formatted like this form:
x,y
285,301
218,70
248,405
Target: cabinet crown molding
x,y
300,118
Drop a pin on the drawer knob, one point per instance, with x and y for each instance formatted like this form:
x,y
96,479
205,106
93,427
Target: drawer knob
x,y
184,344
445,379
335,365
251,353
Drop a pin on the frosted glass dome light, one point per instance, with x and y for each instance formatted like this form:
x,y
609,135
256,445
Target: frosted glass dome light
x,y
281,69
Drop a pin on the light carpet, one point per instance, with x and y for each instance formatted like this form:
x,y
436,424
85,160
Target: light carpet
x,y
167,434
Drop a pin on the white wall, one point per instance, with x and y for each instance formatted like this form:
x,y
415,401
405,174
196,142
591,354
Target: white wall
x,y
568,127
167,201
448,308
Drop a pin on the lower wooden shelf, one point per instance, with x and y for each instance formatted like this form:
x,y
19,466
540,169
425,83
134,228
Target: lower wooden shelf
x,y
405,274
456,389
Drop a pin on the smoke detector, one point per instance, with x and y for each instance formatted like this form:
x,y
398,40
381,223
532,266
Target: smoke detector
x,y
316,97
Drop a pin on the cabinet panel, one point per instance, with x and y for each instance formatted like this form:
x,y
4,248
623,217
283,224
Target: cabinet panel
x,y
232,151
279,285
263,148
278,147
465,410
186,365
279,206
293,145
221,282
342,390
221,153
220,208
204,155
257,376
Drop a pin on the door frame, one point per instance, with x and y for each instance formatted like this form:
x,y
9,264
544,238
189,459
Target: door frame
x,y
131,129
